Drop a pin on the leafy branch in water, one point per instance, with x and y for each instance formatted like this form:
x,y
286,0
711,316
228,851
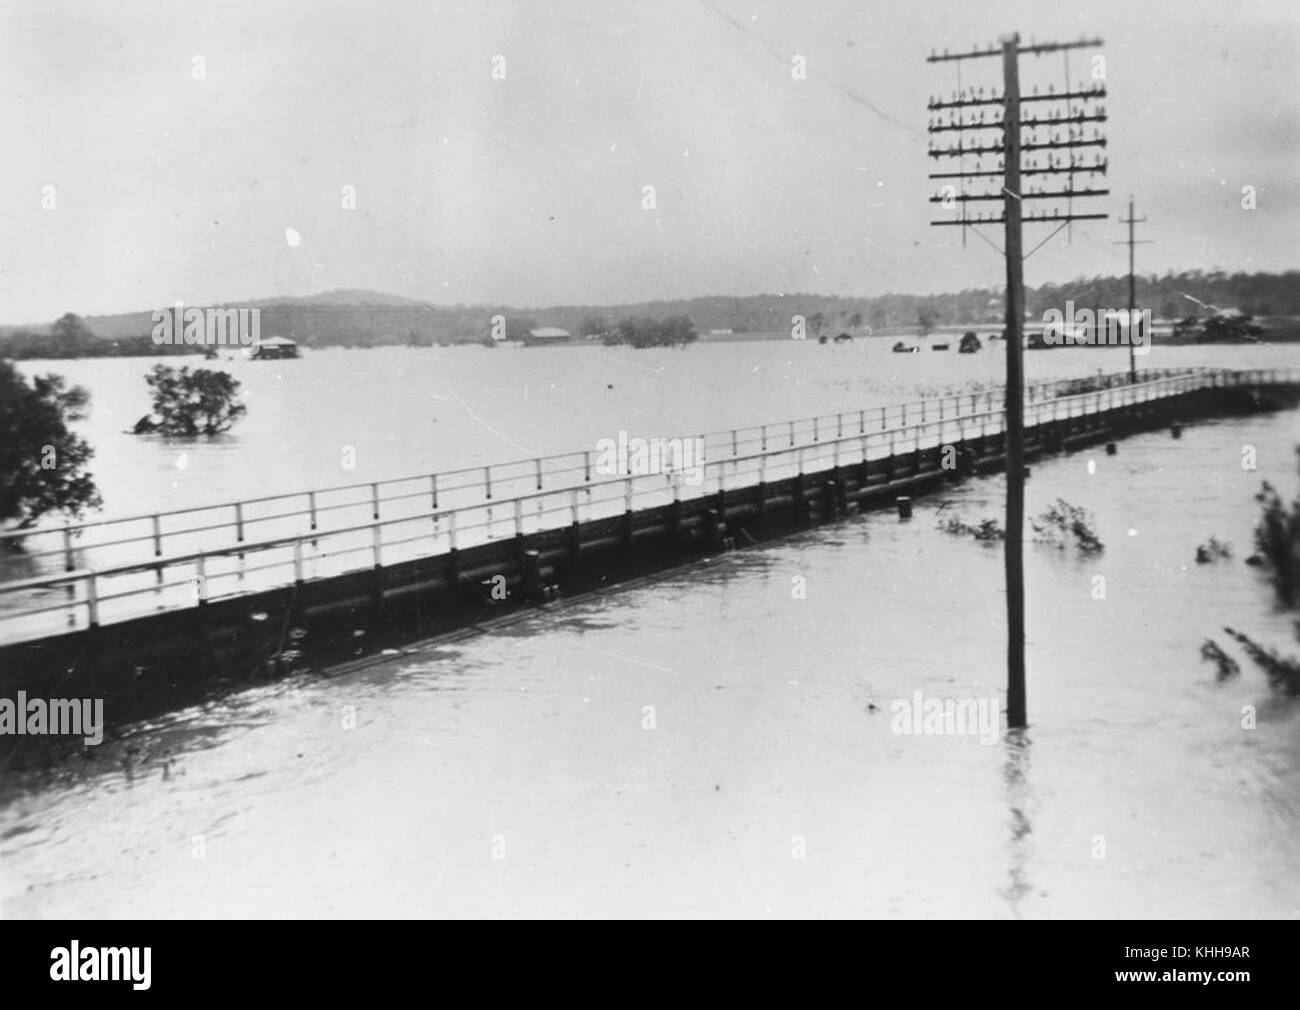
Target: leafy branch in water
x,y
1227,666
1212,550
1064,523
985,529
1283,672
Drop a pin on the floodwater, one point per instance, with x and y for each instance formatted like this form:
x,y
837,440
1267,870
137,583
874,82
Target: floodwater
x,y
721,742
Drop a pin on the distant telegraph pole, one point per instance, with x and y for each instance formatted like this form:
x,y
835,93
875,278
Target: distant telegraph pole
x,y
1132,286
1067,120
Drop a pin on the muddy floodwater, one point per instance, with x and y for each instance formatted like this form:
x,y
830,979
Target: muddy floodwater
x,y
723,741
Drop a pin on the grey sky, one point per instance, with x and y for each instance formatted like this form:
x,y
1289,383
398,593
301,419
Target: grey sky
x,y
527,190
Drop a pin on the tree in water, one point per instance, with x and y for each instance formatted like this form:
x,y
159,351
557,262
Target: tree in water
x,y
42,463
189,403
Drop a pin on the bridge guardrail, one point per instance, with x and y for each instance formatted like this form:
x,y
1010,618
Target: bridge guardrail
x,y
88,595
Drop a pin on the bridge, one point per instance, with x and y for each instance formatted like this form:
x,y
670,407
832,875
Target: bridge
x,y
225,576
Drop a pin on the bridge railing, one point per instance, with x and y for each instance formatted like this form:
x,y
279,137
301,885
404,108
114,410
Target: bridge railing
x,y
177,532
89,595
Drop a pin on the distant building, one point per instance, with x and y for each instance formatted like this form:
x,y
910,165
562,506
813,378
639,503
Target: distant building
x,y
272,348
546,335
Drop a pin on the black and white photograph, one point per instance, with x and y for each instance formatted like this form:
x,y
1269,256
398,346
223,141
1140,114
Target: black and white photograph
x,y
611,460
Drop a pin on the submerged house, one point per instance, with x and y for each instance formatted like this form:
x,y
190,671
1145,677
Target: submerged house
x,y
273,348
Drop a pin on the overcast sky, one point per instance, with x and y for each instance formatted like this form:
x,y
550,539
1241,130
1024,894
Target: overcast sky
x,y
528,190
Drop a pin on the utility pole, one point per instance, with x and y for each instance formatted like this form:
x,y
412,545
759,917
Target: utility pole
x,y
1010,148
1132,287
1013,555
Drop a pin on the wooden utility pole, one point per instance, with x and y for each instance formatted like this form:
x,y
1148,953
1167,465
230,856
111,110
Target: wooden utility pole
x,y
1012,197
1014,423
1132,288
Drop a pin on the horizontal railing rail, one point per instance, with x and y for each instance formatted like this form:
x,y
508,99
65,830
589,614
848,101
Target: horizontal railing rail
x,y
89,595
309,510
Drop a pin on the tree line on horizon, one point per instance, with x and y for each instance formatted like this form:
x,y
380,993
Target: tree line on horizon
x,y
1168,296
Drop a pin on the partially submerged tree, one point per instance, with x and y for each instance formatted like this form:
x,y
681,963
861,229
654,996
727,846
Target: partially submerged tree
x,y
42,463
189,403
1277,543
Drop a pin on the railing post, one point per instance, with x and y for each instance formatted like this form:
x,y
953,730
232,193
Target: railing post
x,y
862,422
487,480
734,450
792,433
586,466
451,530
201,576
763,447
573,506
67,548
374,501
311,506
92,600
815,434
378,544
157,536
519,517
539,473
627,495
297,560
239,522
433,488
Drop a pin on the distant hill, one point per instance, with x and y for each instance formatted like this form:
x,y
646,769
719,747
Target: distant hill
x,y
367,318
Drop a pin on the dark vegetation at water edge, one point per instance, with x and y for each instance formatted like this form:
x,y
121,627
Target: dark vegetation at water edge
x,y
371,319
42,463
1277,553
70,337
671,331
